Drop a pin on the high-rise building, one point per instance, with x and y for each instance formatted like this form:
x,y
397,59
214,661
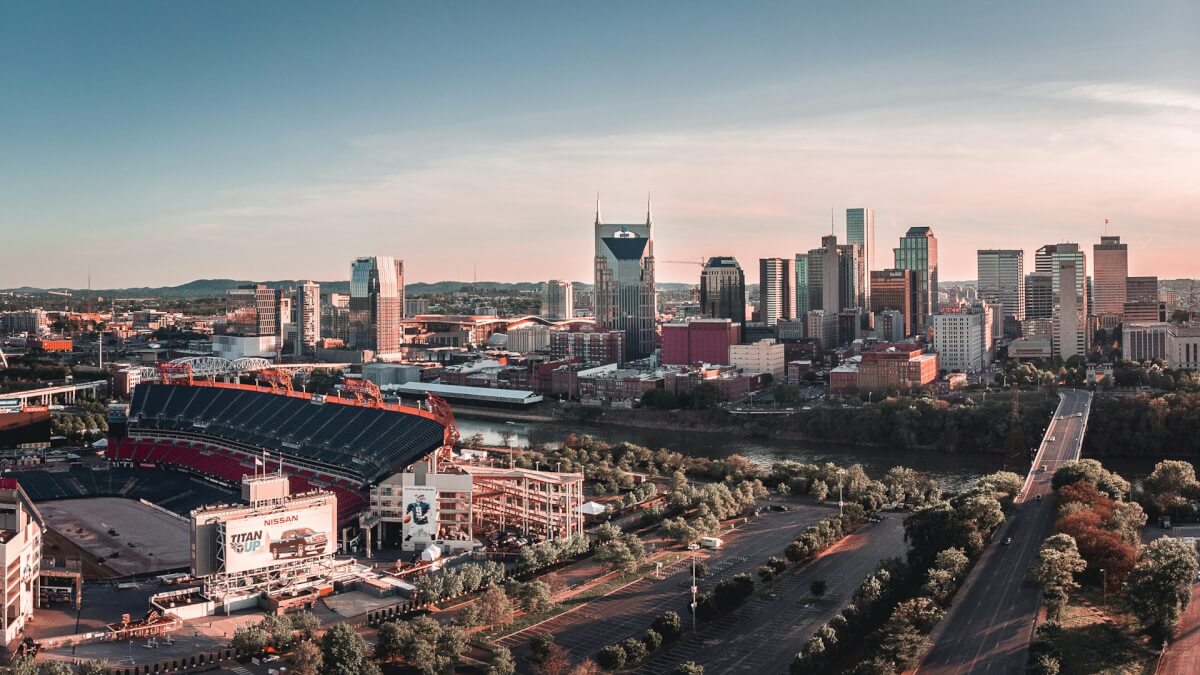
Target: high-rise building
x,y
918,252
1048,259
958,340
415,306
558,302
801,269
774,290
831,274
723,289
252,309
1071,333
308,318
1039,295
895,290
815,263
593,347
335,317
625,297
1141,289
377,304
1002,280
852,277
1111,259
860,229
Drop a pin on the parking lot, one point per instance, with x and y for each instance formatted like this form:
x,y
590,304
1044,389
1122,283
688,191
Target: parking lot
x,y
630,610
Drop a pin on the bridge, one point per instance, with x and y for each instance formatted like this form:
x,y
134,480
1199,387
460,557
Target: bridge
x,y
990,624
64,393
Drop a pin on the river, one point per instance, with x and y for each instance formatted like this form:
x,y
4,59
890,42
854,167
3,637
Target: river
x,y
952,470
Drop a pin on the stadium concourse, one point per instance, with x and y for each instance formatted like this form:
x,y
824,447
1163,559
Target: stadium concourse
x,y
224,431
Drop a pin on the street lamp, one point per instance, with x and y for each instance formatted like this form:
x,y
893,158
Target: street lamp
x,y
1104,574
693,548
841,481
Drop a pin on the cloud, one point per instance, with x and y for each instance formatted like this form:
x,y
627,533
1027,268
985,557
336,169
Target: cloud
x,y
1126,94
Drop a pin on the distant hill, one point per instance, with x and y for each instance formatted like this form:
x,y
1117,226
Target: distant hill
x,y
204,288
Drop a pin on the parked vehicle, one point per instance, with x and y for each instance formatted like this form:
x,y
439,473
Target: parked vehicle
x,y
711,542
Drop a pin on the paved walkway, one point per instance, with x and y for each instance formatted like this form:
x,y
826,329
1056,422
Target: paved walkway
x,y
1183,655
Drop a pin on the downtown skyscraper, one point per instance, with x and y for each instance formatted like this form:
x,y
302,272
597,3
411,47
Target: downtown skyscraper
x,y
558,300
775,290
377,304
1111,260
860,229
307,307
1001,276
624,273
918,252
723,289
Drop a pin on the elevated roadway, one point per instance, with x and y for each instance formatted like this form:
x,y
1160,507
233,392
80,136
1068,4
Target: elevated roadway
x,y
990,624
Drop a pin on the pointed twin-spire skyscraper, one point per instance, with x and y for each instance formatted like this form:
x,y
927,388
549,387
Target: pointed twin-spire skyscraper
x,y
624,288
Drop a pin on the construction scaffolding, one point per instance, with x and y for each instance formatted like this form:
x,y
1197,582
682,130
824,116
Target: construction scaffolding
x,y
540,503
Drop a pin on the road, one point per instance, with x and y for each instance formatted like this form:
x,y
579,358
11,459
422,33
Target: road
x,y
629,611
990,624
764,635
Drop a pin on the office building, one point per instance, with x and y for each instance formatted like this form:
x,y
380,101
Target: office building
x,y
591,347
890,325
335,317
860,229
723,289
1145,312
308,318
1048,259
1141,289
1183,347
1039,295
1145,341
895,290
252,309
764,356
800,267
958,340
1001,277
897,368
822,327
624,290
852,277
21,532
558,301
377,304
774,290
1111,260
1071,329
700,341
918,252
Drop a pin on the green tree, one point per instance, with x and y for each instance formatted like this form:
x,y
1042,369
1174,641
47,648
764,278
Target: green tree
x,y
1171,484
1054,570
635,650
536,597
1159,587
540,645
659,399
495,609
305,623
305,659
502,662
343,652
668,625
56,668
1092,471
611,657
278,629
392,640
705,395
23,665
818,587
250,639
94,667
688,668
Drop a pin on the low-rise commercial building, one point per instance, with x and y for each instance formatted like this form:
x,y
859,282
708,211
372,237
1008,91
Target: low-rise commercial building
x,y
764,356
699,341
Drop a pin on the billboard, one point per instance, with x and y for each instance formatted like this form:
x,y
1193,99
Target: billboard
x,y
420,516
10,405
261,540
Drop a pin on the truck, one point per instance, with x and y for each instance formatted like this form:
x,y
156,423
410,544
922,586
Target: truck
x,y
711,542
299,542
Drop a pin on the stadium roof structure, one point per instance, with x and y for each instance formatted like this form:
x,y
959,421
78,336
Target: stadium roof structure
x,y
454,392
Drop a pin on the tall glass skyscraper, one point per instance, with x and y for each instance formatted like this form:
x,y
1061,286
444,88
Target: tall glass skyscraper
x,y
775,290
1049,259
1111,259
625,294
308,318
918,252
860,229
377,304
723,289
801,287
1002,280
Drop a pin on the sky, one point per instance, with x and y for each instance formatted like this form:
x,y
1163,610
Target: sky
x,y
160,142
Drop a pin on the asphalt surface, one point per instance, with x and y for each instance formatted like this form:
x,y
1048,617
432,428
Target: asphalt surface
x,y
990,624
629,611
765,634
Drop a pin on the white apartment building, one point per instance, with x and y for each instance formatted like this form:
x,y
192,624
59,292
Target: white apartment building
x,y
958,340
764,356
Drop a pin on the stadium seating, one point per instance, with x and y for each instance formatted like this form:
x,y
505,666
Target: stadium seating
x,y
168,489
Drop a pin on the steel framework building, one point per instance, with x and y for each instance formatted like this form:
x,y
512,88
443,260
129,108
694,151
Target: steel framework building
x,y
536,502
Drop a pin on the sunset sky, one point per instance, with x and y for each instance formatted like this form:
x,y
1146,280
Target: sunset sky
x,y
167,141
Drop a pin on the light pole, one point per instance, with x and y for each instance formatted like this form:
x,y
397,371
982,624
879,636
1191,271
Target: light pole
x,y
1104,575
693,548
841,481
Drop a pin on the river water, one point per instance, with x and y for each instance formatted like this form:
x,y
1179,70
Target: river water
x,y
952,470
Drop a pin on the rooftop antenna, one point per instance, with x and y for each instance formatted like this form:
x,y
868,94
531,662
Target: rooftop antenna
x,y
1106,227
832,211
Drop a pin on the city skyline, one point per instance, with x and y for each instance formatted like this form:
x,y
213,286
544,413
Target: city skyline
x,y
178,128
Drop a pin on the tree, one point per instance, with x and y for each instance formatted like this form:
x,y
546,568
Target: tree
x,y
250,639
306,623
305,659
635,650
668,625
392,640
540,645
23,665
343,652
278,630
94,667
502,662
704,396
507,436
1171,484
56,668
1054,570
495,609
624,554
818,587
556,661
688,668
1093,472
611,657
1159,587
659,399
585,667
536,597
652,640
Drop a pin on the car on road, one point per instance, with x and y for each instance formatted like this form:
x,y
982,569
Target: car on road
x,y
1050,440
299,542
1037,498
1042,468
1007,541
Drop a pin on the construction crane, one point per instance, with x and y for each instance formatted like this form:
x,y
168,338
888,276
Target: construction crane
x,y
701,262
